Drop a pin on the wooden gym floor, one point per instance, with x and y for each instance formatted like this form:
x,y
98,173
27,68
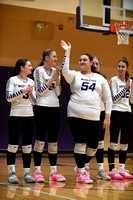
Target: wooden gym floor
x,y
69,190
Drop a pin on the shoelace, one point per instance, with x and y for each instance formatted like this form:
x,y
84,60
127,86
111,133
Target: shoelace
x,y
28,175
85,175
115,171
38,174
125,170
58,175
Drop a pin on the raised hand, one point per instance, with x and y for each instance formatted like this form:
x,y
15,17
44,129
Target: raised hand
x,y
65,46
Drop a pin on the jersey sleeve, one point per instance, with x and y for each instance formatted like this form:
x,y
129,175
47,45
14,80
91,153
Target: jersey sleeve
x,y
68,74
116,95
10,94
131,95
41,88
106,96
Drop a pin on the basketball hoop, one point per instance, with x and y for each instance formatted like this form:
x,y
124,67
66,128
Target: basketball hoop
x,y
122,29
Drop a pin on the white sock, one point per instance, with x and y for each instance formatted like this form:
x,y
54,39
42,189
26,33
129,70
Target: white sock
x,y
87,166
81,170
100,166
11,168
53,169
121,166
37,169
26,170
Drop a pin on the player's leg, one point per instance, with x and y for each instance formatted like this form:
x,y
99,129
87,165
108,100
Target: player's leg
x,y
92,138
27,124
125,132
114,133
78,130
53,123
100,151
14,134
40,124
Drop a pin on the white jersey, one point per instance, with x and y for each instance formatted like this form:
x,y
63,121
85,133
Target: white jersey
x,y
120,96
21,104
85,100
46,96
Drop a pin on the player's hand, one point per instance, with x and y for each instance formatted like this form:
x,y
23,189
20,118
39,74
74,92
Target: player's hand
x,y
65,46
109,82
30,89
106,122
58,70
27,89
56,73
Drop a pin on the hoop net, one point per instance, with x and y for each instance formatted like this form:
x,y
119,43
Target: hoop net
x,y
122,29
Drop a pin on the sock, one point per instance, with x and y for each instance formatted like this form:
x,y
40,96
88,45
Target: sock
x,y
53,169
37,169
26,170
100,166
11,168
81,170
87,166
121,166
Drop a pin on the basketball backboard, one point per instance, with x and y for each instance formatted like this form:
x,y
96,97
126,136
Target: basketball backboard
x,y
97,15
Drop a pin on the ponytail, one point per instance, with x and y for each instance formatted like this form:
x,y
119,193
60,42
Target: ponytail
x,y
16,69
45,53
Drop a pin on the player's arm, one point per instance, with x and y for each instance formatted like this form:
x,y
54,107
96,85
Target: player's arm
x,y
131,94
114,92
32,94
106,94
68,74
58,86
41,88
10,94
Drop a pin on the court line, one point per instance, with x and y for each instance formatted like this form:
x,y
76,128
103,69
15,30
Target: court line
x,y
63,197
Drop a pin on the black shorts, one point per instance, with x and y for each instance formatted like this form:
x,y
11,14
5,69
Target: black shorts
x,y
85,131
120,121
20,125
47,119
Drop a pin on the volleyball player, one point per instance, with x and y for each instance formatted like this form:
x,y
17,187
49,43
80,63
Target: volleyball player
x,y
20,92
121,119
100,151
47,114
84,108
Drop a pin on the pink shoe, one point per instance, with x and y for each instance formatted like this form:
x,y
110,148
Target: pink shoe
x,y
84,178
77,171
38,177
115,175
124,173
56,177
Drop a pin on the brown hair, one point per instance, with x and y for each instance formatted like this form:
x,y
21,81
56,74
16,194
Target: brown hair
x,y
124,59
